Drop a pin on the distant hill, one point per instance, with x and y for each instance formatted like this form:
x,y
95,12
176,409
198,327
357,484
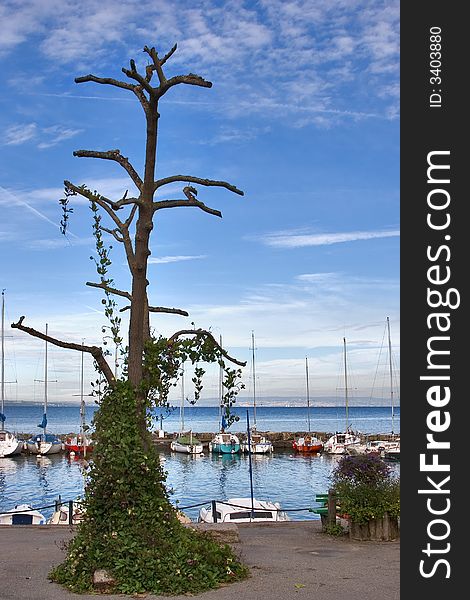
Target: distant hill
x,y
320,401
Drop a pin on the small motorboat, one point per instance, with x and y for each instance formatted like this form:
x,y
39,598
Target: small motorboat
x,y
241,510
22,514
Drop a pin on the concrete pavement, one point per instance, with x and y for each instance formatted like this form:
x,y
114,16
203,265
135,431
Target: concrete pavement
x,y
288,561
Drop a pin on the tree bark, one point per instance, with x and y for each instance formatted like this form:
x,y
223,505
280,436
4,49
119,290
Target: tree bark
x,y
139,326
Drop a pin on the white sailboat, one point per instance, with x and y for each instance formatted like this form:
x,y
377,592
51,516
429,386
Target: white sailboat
x,y
341,443
185,442
259,444
392,447
44,443
9,443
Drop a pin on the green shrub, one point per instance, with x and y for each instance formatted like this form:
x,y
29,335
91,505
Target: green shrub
x,y
366,488
130,528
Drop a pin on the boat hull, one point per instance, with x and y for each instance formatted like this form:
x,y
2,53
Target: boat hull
x,y
78,445
78,449
39,445
239,510
22,514
176,446
341,443
10,445
261,448
224,448
308,449
224,443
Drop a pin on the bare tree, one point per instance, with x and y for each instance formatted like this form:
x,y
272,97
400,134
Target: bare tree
x,y
133,229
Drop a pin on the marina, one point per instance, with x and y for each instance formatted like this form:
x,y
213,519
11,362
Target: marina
x,y
285,476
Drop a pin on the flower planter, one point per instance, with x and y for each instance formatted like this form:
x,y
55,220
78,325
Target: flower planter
x,y
383,529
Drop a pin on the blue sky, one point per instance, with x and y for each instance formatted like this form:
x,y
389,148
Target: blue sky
x,y
303,116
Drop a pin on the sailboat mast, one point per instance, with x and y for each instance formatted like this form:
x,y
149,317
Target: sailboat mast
x,y
182,398
346,385
45,385
391,376
3,359
220,385
82,403
308,394
254,378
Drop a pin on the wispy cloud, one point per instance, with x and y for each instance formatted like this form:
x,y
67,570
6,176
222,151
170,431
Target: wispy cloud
x,y
8,197
312,50
44,137
295,240
19,134
162,260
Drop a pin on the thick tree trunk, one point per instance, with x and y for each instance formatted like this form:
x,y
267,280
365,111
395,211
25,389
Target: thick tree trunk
x,y
139,319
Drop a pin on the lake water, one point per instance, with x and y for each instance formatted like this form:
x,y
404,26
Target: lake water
x,y
366,419
291,479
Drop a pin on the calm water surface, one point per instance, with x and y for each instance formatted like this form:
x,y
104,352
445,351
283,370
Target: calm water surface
x,y
291,479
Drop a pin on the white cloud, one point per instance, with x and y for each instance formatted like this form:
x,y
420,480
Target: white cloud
x,y
295,240
19,134
172,259
271,45
45,137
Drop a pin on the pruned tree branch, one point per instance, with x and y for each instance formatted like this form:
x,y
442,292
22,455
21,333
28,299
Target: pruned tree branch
x,y
193,203
190,79
168,55
105,81
198,180
95,351
105,287
189,192
117,157
107,205
132,73
156,66
204,332
114,233
162,309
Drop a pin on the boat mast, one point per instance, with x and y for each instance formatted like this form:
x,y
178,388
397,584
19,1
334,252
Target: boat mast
x,y
220,386
45,386
182,398
82,403
391,377
254,378
308,394
3,359
346,385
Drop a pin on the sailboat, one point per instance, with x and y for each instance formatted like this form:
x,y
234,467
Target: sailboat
x,y
341,443
259,444
307,443
185,442
80,444
44,443
223,442
392,447
9,443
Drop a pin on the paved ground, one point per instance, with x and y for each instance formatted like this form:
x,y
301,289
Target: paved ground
x,y
288,561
